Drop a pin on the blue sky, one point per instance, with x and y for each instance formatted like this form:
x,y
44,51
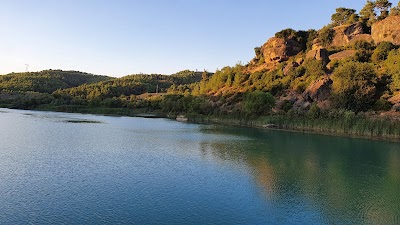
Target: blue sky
x,y
121,37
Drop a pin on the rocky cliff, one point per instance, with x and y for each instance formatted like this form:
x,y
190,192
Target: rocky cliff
x,y
345,33
387,30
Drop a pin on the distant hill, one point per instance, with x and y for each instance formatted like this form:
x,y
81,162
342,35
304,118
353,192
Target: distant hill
x,y
47,81
133,85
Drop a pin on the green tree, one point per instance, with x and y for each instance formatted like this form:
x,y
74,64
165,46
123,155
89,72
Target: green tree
x,y
343,16
326,35
392,65
258,103
354,86
367,13
381,51
286,34
258,52
311,36
383,7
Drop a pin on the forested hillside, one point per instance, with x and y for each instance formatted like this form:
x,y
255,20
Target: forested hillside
x,y
46,81
132,85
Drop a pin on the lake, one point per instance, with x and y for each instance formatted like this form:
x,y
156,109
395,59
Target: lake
x,y
59,168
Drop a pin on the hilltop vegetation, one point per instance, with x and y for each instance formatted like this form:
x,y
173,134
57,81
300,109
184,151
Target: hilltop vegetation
x,y
46,81
69,88
316,80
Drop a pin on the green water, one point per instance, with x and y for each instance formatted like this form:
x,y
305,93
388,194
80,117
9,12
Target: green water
x,y
58,168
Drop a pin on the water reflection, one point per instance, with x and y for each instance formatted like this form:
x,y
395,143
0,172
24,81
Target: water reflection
x,y
347,180
141,171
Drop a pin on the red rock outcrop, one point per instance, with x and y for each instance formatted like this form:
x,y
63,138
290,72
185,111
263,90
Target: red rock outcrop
x,y
342,55
361,37
387,30
345,33
279,50
320,54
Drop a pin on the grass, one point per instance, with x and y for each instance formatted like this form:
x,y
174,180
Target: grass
x,y
350,125
356,126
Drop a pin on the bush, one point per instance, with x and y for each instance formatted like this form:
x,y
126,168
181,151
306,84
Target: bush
x,y
258,103
304,38
308,72
363,45
392,65
314,111
286,33
354,86
326,35
382,51
382,105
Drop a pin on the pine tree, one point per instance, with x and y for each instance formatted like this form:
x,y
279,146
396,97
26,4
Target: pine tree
x,y
395,11
367,13
343,16
383,7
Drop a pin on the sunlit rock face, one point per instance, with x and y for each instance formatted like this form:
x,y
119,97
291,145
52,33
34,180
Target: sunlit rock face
x,y
387,30
345,33
279,49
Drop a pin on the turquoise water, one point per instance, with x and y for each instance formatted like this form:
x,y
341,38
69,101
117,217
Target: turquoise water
x,y
58,168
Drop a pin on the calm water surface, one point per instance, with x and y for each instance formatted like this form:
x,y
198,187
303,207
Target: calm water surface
x,y
58,168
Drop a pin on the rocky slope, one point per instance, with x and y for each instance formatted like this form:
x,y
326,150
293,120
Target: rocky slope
x,y
387,30
345,33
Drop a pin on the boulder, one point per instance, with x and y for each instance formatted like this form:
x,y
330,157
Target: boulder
x,y
290,97
387,30
342,55
395,101
319,90
181,118
290,66
316,44
345,33
361,37
302,104
279,50
320,54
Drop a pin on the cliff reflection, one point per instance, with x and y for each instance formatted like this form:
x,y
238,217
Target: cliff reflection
x,y
343,179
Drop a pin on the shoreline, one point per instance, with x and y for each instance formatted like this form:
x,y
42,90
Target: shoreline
x,y
258,123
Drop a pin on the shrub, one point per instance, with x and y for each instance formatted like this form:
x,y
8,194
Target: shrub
x,y
308,72
382,51
286,33
392,65
258,103
354,86
382,105
314,111
326,35
365,45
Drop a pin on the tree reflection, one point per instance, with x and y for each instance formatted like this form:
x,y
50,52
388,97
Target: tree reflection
x,y
346,180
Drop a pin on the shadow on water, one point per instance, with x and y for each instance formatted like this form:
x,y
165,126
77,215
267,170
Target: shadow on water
x,y
347,180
